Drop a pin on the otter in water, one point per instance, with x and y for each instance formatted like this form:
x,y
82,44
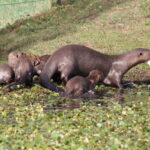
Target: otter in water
x,y
72,60
78,85
22,67
6,74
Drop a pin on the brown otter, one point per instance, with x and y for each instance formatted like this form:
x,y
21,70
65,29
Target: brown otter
x,y
78,85
42,60
22,67
6,74
39,67
45,57
39,62
71,60
34,59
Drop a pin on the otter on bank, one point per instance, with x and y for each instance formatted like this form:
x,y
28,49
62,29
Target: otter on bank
x,y
22,67
78,85
72,60
6,74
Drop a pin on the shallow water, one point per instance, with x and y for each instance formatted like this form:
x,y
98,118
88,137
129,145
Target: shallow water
x,y
105,97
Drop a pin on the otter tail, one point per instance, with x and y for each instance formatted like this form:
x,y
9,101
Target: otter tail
x,y
9,86
25,79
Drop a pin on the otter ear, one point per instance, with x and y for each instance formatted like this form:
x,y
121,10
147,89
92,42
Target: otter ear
x,y
140,54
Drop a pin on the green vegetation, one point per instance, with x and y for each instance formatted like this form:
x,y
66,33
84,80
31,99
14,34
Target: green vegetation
x,y
37,118
11,10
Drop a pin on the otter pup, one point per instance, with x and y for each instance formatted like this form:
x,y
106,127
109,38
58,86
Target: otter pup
x,y
6,74
22,67
72,60
78,85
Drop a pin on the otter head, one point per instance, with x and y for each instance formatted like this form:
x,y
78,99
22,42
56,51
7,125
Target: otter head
x,y
95,76
42,59
35,60
38,68
143,55
14,57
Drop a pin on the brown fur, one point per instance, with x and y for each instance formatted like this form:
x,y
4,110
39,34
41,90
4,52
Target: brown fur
x,y
6,74
38,62
78,85
42,60
34,59
22,67
39,67
72,60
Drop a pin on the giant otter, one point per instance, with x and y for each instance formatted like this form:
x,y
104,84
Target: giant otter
x,y
22,67
71,60
6,74
78,85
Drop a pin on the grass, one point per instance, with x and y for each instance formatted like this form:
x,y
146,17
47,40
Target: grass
x,y
17,9
37,118
31,34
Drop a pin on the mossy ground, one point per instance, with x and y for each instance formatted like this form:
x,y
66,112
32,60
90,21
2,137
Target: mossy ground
x,y
37,118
